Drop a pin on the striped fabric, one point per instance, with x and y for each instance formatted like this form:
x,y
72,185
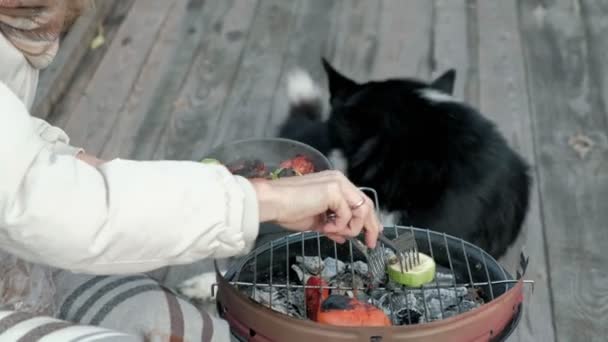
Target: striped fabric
x,y
23,327
136,305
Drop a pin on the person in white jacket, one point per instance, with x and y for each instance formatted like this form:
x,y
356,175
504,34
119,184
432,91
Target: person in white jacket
x,y
64,208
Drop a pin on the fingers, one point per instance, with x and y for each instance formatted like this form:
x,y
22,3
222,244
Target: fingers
x,y
359,216
372,230
336,237
362,215
329,190
342,213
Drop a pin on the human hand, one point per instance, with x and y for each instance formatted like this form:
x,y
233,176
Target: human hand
x,y
301,203
89,159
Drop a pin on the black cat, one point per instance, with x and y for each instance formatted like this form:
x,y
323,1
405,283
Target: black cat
x,y
435,162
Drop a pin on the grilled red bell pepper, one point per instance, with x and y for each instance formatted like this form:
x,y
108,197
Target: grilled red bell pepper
x,y
300,164
315,296
349,312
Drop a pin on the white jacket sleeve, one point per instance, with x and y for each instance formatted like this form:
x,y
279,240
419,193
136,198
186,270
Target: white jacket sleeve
x,y
122,217
55,136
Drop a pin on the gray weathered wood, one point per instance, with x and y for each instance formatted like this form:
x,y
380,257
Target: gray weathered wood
x,y
451,43
56,78
166,65
248,109
504,99
303,51
574,188
353,37
404,45
186,123
64,108
471,90
112,83
595,13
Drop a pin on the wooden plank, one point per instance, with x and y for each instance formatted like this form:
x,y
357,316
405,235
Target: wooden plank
x,y
404,44
182,127
451,44
303,51
65,105
471,89
157,84
180,124
573,186
74,46
249,105
595,13
353,37
504,99
111,85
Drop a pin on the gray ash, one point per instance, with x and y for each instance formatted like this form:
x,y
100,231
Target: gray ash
x,y
434,301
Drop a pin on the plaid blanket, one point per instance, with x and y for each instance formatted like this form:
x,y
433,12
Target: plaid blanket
x,y
34,26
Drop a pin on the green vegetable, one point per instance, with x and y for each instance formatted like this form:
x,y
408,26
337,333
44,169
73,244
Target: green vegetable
x,y
415,277
211,161
275,174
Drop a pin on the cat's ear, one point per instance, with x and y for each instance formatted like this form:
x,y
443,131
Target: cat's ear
x,y
340,86
445,82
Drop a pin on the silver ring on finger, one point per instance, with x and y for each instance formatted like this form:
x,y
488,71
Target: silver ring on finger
x,y
358,204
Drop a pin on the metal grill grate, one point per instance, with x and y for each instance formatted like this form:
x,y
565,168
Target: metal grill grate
x,y
268,269
467,265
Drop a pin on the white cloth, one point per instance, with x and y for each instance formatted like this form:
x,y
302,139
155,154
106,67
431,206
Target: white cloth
x,y
22,79
17,72
123,217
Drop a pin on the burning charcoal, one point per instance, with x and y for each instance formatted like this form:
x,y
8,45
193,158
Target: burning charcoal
x,y
474,295
407,316
444,277
414,302
296,299
448,296
448,299
346,281
468,305
282,301
265,296
302,277
332,267
311,264
361,268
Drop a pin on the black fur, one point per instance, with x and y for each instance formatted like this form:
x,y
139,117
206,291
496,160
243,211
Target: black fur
x,y
305,124
438,164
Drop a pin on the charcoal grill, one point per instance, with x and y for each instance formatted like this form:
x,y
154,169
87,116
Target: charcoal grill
x,y
268,269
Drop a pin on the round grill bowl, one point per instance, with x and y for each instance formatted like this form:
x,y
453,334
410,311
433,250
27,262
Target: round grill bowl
x,y
271,151
252,321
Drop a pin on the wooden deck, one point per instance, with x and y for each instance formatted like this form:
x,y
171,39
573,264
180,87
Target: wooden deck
x,y
176,77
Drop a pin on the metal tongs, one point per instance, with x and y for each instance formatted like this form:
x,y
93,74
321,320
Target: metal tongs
x,y
404,246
